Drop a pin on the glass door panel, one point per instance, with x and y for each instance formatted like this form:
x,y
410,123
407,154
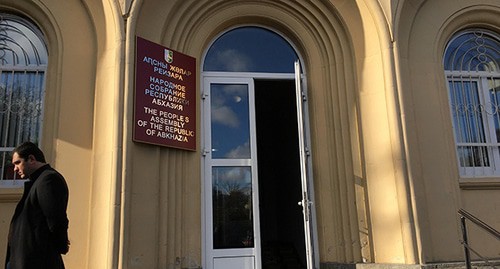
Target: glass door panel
x,y
232,215
230,121
232,207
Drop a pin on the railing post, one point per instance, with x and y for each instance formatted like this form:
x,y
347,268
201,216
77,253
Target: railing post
x,y
465,243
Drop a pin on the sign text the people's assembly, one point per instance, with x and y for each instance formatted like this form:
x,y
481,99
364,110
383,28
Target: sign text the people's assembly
x,y
165,96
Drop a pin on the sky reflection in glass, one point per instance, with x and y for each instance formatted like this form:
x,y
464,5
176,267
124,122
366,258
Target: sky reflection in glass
x,y
230,121
250,49
473,51
232,207
22,43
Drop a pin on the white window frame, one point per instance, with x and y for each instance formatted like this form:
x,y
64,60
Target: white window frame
x,y
488,122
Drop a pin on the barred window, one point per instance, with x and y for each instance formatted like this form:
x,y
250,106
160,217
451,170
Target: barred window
x,y
472,68
23,62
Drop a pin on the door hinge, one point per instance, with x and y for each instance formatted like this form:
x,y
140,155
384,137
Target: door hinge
x,y
204,95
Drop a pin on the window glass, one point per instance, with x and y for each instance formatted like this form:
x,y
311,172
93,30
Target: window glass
x,y
494,109
471,61
22,42
474,50
468,122
232,207
250,49
23,59
230,121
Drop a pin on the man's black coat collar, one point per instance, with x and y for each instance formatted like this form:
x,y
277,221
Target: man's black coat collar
x,y
38,172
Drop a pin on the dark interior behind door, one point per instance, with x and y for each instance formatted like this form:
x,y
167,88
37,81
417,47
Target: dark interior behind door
x,y
281,221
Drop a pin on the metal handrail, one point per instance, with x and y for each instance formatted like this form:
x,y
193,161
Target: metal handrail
x,y
481,224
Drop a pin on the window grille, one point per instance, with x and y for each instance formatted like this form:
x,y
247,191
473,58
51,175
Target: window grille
x,y
472,68
23,62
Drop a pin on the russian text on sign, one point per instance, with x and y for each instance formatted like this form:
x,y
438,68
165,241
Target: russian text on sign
x,y
167,104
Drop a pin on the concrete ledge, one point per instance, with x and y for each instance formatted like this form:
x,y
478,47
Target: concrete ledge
x,y
461,265
368,266
450,265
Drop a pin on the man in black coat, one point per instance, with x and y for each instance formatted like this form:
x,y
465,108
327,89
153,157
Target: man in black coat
x,y
38,232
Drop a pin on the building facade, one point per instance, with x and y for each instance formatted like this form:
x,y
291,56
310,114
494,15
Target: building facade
x,y
343,132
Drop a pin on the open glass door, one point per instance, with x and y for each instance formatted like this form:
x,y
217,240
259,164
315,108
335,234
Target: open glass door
x,y
232,239
306,201
253,176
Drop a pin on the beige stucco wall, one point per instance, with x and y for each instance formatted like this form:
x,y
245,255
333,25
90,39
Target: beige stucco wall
x,y
392,237
68,124
385,176
421,37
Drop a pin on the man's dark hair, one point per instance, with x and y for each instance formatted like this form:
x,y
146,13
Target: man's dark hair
x,y
29,148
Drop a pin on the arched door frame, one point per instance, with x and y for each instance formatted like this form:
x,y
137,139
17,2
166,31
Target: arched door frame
x,y
205,128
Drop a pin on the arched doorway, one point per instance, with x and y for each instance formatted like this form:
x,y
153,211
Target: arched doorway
x,y
255,160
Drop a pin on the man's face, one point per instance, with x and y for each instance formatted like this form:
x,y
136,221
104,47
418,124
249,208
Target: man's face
x,y
23,167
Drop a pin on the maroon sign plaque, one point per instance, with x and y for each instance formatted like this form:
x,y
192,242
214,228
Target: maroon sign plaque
x,y
165,96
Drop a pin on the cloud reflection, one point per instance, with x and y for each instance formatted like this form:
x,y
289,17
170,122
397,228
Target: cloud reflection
x,y
224,103
225,115
239,151
231,179
233,61
230,121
